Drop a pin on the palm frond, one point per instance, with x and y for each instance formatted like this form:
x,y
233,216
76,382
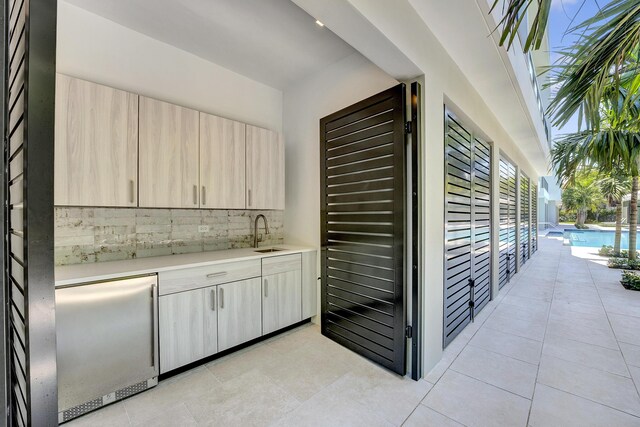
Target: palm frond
x,y
606,55
513,17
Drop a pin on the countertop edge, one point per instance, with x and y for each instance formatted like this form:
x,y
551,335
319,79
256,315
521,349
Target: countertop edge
x,y
84,273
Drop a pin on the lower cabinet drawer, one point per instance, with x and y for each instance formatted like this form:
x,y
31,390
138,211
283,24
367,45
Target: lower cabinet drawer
x,y
199,277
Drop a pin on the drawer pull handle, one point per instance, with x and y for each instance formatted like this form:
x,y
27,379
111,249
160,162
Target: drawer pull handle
x,y
218,274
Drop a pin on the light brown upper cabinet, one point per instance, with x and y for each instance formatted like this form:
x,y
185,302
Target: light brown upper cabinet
x,y
168,155
222,163
96,144
265,169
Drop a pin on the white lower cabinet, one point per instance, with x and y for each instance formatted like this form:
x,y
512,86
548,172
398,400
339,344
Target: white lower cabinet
x,y
198,323
281,292
201,315
239,313
181,328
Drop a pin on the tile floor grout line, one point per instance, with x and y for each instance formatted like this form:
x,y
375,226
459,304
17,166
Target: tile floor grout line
x,y
544,336
591,400
502,354
633,381
489,384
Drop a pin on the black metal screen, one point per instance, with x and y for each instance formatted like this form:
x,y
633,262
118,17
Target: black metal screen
x,y
534,218
525,220
29,71
467,287
507,243
363,215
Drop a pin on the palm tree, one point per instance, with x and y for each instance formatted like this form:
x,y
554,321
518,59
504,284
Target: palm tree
x,y
606,150
605,54
583,195
614,187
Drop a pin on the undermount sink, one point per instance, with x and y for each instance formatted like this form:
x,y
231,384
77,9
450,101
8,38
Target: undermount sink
x,y
267,250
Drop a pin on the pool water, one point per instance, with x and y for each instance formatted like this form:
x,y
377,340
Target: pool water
x,y
595,238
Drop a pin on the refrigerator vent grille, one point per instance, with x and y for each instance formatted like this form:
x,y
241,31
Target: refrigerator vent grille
x,y
131,390
82,409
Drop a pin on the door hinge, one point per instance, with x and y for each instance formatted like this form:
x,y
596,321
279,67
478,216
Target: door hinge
x,y
407,127
408,332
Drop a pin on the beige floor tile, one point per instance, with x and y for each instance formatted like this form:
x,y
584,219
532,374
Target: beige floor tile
x,y
307,370
170,394
261,357
552,407
591,320
426,417
475,403
522,328
520,348
525,302
608,389
179,416
590,355
372,387
631,353
110,416
626,328
330,408
496,369
582,333
535,313
251,399
578,307
635,375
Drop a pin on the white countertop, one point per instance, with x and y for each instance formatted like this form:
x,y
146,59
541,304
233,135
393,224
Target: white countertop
x,y
97,271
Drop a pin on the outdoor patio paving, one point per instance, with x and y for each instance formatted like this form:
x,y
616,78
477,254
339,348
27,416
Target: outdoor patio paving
x,y
559,346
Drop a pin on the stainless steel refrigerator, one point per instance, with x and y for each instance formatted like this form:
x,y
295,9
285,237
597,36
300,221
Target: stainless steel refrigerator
x,y
107,342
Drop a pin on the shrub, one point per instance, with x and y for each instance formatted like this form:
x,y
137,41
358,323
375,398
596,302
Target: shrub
x,y
580,226
615,262
633,264
630,280
605,250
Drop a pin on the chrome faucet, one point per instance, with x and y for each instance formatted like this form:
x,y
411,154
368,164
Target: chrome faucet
x,y
257,239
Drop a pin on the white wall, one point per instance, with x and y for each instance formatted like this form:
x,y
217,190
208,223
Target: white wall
x,y
331,89
96,49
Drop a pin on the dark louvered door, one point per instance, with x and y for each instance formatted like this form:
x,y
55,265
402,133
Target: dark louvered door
x,y
481,224
534,218
467,287
28,125
513,219
507,241
524,219
362,219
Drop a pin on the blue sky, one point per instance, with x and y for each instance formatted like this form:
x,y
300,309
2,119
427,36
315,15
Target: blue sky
x,y
563,12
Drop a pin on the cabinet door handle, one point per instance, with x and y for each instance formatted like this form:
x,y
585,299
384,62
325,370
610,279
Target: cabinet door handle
x,y
218,274
195,194
213,299
153,328
221,298
131,191
203,197
266,288
249,203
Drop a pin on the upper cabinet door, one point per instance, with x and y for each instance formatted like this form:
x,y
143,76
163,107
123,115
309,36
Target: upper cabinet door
x,y
96,144
168,155
222,163
265,169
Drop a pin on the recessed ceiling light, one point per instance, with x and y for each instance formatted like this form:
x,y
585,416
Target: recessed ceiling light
x,y
320,24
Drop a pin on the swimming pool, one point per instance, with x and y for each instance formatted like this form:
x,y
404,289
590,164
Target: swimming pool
x,y
595,238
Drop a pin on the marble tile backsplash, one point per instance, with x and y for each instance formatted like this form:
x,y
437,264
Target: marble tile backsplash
x,y
84,235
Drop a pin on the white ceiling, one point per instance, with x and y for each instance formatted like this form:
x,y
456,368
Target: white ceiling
x,y
270,41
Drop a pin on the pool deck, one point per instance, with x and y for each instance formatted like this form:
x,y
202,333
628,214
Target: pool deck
x,y
559,346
